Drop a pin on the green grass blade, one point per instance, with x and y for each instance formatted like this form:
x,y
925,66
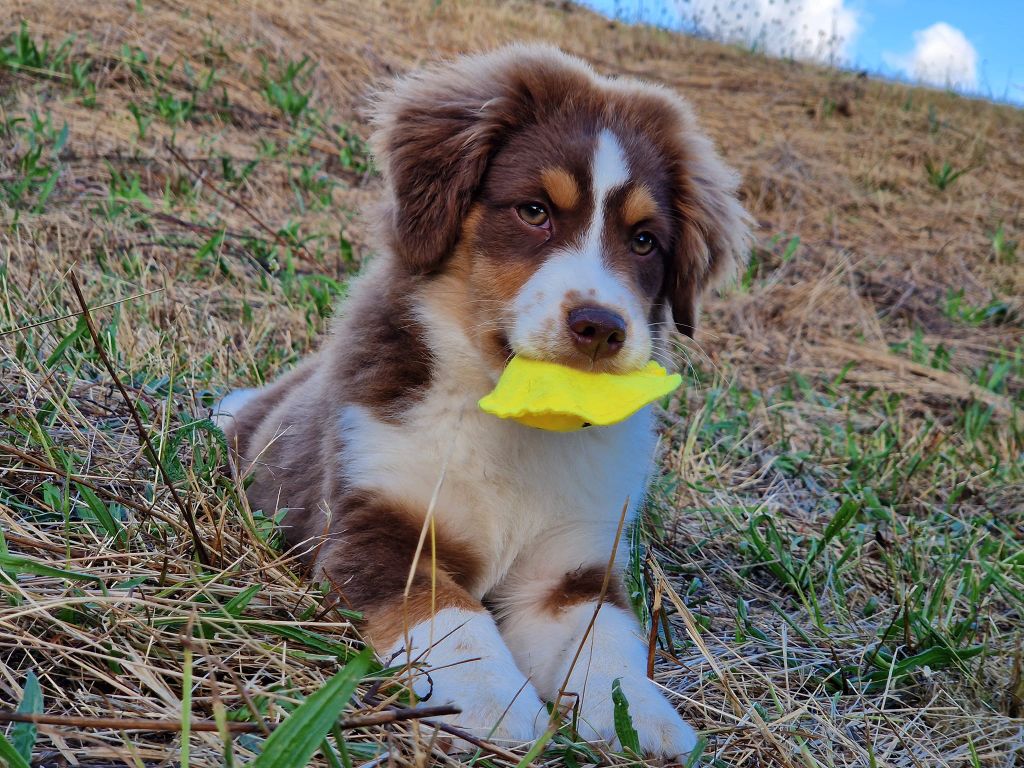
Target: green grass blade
x,y
846,513
23,735
298,738
9,756
698,751
18,564
80,330
45,191
538,747
933,658
307,638
236,606
624,729
102,513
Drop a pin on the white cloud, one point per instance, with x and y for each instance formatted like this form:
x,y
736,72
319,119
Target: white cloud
x,y
806,29
942,56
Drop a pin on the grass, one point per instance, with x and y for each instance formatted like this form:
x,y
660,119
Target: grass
x,y
942,176
831,567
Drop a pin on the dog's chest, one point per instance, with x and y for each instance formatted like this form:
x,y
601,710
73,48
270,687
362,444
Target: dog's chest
x,y
502,486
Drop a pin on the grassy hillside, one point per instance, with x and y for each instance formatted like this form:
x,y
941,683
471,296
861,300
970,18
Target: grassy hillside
x,y
832,567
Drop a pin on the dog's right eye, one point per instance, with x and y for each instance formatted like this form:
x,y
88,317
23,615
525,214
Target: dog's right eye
x,y
534,214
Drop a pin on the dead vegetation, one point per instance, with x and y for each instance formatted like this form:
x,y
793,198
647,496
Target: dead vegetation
x,y
834,556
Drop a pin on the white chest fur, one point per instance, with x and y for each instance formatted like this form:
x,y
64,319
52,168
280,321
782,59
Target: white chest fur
x,y
511,491
506,488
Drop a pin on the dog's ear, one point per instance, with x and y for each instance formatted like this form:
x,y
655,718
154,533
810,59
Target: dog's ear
x,y
714,235
435,132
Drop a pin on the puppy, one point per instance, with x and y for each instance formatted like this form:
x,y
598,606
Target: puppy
x,y
532,208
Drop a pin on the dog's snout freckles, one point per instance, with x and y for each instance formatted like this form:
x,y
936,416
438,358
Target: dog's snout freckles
x,y
596,331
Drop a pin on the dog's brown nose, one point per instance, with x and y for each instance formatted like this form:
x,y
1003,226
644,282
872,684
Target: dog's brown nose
x,y
597,332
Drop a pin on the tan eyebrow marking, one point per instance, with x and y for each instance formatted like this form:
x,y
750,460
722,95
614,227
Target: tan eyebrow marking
x,y
561,187
639,205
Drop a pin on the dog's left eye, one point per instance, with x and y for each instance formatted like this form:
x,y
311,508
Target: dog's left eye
x,y
643,243
534,214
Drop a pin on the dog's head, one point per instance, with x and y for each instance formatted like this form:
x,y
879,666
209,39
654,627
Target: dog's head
x,y
578,216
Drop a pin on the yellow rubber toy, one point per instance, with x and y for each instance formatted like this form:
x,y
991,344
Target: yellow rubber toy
x,y
562,399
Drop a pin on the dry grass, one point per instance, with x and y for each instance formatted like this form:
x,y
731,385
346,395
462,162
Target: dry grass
x,y
869,373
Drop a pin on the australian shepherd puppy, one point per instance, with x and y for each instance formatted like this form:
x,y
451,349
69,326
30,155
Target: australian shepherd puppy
x,y
534,208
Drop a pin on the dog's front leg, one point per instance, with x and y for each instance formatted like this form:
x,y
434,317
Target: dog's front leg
x,y
432,622
575,657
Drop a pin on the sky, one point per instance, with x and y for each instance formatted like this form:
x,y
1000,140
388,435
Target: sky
x,y
972,46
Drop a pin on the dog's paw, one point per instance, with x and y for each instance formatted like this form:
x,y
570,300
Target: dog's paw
x,y
467,665
661,730
506,714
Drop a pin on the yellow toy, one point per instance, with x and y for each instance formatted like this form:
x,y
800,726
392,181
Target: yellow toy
x,y
562,399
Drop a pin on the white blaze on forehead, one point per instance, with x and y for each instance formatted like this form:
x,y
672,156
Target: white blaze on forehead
x,y
538,324
609,171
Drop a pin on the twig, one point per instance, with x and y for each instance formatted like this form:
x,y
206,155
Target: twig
x,y
144,724
487,746
234,201
399,715
48,320
452,730
244,693
154,457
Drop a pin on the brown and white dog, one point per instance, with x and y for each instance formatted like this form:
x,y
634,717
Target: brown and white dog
x,y
533,208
